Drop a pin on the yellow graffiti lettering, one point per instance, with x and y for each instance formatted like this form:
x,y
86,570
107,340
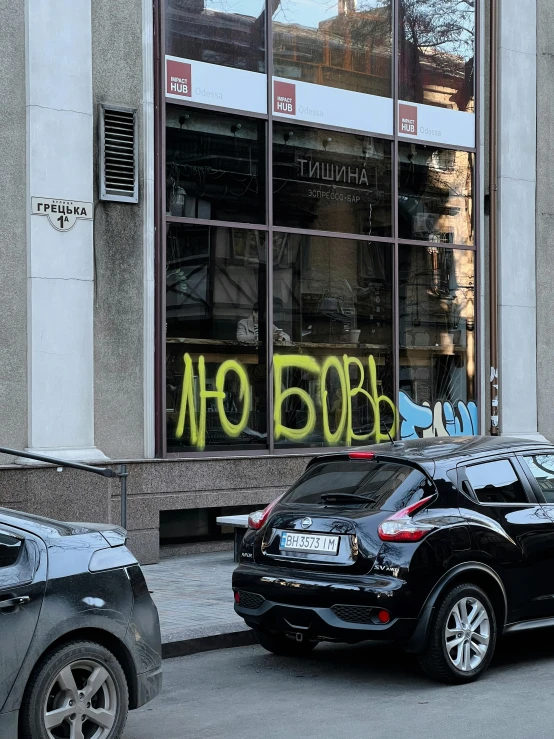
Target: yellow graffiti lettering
x,y
307,364
352,393
337,412
380,400
187,402
233,429
204,395
197,427
336,407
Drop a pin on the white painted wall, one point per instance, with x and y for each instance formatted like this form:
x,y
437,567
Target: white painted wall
x,y
517,183
60,265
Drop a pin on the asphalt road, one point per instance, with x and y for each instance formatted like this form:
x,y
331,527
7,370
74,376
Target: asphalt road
x,y
372,691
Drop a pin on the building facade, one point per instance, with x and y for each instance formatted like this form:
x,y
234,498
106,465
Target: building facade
x,y
234,236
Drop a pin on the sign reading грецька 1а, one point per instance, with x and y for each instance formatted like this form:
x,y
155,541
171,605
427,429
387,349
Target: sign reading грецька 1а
x,y
62,214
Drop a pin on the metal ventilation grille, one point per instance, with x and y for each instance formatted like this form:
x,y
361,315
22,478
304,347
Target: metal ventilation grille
x,y
118,154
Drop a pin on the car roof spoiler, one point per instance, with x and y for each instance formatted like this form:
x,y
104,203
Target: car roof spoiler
x,y
379,457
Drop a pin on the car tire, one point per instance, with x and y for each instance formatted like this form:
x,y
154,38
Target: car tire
x,y
283,646
80,681
455,651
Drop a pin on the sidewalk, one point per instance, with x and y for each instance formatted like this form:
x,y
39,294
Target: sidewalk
x,y
195,602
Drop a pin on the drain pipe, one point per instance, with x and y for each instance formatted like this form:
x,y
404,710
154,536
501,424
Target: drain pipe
x,y
493,220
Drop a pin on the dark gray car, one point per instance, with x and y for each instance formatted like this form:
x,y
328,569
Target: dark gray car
x,y
79,633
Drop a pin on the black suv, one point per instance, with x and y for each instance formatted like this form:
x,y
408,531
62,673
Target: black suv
x,y
441,545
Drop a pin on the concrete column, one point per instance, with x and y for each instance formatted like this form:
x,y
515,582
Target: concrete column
x,y
517,183
60,264
149,240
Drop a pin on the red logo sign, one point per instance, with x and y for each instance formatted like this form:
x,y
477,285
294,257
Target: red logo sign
x,y
284,98
407,119
178,76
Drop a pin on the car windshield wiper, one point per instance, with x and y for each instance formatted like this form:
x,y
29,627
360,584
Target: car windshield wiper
x,y
340,497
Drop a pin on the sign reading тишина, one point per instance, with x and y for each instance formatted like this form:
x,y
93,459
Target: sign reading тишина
x,y
62,214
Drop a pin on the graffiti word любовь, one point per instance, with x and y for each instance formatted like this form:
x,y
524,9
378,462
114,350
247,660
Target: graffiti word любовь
x,y
344,431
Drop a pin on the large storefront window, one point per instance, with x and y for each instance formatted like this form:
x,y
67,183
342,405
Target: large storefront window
x,y
217,32
437,341
435,191
332,310
316,225
340,44
215,166
216,337
437,47
331,182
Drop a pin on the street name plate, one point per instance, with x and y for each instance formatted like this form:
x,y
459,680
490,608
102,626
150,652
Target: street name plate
x,y
62,214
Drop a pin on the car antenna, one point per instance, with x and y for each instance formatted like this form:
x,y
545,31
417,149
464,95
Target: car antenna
x,y
394,444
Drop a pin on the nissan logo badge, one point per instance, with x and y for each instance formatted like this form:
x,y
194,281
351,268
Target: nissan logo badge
x,y
306,523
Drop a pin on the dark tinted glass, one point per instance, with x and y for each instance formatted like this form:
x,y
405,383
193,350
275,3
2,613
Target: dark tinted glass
x,y
541,467
332,313
386,486
215,166
344,44
216,338
496,482
9,550
437,341
331,181
435,194
436,44
217,32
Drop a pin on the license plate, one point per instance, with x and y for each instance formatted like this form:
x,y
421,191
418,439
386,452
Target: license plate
x,y
316,543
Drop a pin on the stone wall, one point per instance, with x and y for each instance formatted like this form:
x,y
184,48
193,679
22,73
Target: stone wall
x,y
153,486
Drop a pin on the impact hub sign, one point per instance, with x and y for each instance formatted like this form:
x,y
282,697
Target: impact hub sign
x,y
284,98
62,214
407,120
178,78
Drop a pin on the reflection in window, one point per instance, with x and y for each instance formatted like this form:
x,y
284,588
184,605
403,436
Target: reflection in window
x,y
435,194
437,43
331,181
437,338
344,44
215,166
332,305
541,467
496,482
215,347
231,34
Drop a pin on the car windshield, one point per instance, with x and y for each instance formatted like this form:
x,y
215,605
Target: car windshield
x,y
384,485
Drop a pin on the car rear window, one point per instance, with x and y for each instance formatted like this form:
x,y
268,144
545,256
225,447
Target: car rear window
x,y
387,486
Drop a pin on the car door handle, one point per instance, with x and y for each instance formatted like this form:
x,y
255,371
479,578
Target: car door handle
x,y
14,602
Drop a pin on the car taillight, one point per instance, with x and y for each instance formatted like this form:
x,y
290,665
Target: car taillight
x,y
257,519
361,455
401,526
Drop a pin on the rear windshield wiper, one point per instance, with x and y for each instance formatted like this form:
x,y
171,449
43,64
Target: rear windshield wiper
x,y
339,497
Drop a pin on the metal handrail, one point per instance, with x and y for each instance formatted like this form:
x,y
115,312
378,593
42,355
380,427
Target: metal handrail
x,y
122,473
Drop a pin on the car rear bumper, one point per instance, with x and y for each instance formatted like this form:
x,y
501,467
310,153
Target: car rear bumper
x,y
325,606
323,624
149,685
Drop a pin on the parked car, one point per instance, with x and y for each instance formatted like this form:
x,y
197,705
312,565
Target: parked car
x,y
79,633
441,545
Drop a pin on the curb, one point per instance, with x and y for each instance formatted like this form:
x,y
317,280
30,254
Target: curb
x,y
186,647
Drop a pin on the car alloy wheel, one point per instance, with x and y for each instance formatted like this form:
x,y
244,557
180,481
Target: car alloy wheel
x,y
467,634
462,635
81,702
